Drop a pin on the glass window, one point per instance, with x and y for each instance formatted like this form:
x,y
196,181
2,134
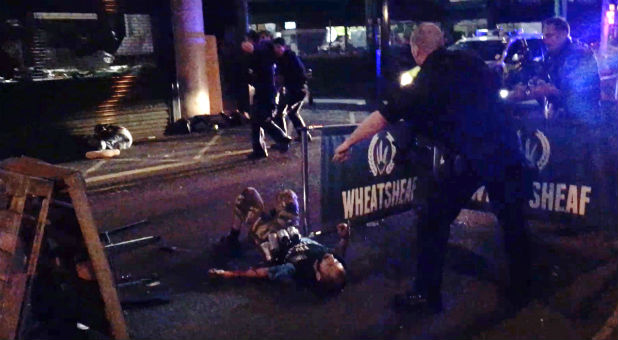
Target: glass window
x,y
536,48
486,49
515,51
64,45
327,41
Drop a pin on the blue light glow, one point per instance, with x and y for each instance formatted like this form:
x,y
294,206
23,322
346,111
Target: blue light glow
x,y
378,62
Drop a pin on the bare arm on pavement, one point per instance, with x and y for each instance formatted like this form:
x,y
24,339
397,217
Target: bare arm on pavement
x,y
259,273
372,124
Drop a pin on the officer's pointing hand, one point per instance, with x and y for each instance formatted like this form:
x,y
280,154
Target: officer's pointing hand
x,y
342,153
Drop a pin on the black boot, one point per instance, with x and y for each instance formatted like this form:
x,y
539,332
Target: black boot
x,y
255,155
283,146
298,137
230,242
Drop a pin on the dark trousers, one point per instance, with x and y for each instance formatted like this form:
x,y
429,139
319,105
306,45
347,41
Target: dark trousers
x,y
290,104
261,120
448,194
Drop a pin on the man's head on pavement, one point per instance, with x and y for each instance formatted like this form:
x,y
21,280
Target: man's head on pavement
x,y
425,39
279,45
556,32
330,274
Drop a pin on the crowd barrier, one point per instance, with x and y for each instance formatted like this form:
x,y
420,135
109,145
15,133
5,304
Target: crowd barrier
x,y
577,182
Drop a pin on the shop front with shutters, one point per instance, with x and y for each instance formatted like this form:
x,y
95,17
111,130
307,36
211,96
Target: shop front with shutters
x,y
75,64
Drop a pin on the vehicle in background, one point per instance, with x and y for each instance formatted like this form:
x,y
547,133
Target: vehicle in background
x,y
337,45
513,56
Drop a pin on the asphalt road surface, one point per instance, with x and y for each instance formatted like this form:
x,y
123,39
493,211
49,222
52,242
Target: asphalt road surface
x,y
185,188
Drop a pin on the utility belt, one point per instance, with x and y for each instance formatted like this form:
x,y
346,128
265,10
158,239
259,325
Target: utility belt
x,y
427,157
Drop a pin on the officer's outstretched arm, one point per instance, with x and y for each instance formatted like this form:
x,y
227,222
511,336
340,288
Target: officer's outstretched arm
x,y
372,124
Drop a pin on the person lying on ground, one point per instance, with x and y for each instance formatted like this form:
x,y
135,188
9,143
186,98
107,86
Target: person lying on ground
x,y
108,140
286,253
300,259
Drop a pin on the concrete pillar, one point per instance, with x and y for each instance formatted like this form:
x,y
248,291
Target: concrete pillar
x,y
190,51
212,73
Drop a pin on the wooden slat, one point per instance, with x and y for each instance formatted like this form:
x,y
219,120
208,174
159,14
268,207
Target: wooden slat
x,y
27,166
8,242
19,185
9,221
10,305
6,261
33,258
16,280
14,184
113,311
38,236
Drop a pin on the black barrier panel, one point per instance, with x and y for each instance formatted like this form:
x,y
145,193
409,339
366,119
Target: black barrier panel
x,y
371,184
577,164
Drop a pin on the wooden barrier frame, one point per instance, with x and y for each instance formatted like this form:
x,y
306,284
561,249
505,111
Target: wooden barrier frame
x,y
73,182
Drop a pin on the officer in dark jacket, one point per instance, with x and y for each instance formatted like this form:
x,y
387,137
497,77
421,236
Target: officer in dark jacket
x,y
292,70
262,63
573,91
454,102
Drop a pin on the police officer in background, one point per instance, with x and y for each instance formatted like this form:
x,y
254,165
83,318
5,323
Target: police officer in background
x,y
573,91
454,102
262,64
291,99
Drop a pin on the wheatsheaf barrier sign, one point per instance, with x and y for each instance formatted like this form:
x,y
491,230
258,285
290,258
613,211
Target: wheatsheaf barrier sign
x,y
578,170
370,185
577,182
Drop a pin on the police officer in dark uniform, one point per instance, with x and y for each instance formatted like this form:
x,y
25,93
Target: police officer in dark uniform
x,y
573,91
292,70
454,102
262,64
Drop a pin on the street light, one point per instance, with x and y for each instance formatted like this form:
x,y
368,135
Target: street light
x,y
608,19
611,14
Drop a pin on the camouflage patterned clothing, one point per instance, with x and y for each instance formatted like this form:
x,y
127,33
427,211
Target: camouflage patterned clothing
x,y
250,209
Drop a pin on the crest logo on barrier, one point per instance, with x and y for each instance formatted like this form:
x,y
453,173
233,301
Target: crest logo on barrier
x,y
536,148
381,154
